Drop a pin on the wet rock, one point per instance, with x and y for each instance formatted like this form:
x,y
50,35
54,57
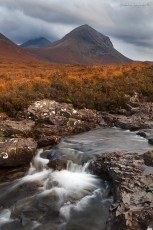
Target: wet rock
x,y
142,134
58,164
133,190
150,141
57,159
48,141
16,152
148,158
8,174
16,224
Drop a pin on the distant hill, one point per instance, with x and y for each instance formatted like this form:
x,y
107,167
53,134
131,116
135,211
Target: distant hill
x,y
83,45
36,43
149,62
10,52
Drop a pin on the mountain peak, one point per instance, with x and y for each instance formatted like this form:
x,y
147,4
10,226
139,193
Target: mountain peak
x,y
36,43
87,34
83,45
85,26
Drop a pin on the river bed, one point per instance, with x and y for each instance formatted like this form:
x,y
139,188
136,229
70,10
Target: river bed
x,y
69,199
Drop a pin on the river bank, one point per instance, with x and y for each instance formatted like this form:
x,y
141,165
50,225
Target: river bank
x,y
45,122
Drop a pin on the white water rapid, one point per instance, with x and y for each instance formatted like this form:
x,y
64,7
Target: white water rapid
x,y
73,198
44,197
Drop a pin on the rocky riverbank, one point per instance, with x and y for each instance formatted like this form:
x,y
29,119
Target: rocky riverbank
x,y
46,121
132,181
41,125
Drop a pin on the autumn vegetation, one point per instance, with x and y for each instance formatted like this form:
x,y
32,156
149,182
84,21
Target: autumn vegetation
x,y
96,87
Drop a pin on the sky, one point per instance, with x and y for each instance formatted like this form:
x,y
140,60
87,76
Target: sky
x,y
128,23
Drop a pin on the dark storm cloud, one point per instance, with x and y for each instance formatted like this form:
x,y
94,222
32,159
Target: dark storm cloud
x,y
128,26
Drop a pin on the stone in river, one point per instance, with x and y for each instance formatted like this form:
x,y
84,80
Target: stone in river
x,y
17,151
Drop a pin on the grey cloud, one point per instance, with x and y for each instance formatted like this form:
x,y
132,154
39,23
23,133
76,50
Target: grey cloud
x,y
130,26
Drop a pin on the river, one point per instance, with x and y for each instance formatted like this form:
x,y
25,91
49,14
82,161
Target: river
x,y
70,199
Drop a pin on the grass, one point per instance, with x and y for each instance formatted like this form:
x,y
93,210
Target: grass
x,y
96,87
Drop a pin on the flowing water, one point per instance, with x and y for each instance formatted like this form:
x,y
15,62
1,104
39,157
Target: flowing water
x,y
70,199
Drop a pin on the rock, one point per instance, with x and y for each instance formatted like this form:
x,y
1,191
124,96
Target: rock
x,y
58,164
148,158
53,118
133,196
57,159
59,113
16,152
142,134
11,128
110,119
131,123
11,174
48,141
150,141
3,116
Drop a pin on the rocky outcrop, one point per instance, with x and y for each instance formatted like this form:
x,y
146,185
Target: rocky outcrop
x,y
61,114
44,122
134,118
133,203
53,118
16,152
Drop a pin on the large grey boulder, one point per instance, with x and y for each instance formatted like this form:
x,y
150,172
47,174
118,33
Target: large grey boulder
x,y
17,151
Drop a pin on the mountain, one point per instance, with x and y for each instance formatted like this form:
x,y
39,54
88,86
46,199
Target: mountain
x,y
36,43
83,45
10,52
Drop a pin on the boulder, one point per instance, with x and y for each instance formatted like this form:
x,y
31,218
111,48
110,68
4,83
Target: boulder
x,y
63,114
59,119
17,151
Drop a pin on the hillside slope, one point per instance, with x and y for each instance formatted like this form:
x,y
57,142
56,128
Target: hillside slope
x,y
10,52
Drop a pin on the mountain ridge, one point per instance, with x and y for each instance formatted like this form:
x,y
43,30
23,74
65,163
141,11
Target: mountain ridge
x,y
83,45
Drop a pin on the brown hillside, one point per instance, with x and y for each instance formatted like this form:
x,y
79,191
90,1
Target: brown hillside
x,y
12,53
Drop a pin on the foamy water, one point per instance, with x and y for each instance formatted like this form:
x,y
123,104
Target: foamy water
x,y
72,198
66,191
